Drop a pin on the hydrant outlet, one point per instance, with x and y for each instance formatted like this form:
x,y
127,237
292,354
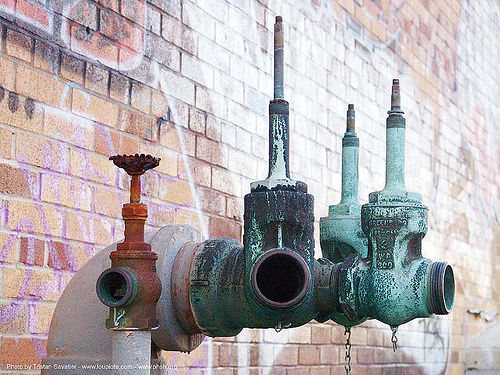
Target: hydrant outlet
x,y
116,287
442,288
280,278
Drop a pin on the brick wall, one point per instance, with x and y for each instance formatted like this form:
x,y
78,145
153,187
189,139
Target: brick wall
x,y
189,81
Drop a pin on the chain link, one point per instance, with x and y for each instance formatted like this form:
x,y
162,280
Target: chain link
x,y
348,345
394,339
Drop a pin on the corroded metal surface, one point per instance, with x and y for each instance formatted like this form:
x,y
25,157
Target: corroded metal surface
x,y
394,283
133,263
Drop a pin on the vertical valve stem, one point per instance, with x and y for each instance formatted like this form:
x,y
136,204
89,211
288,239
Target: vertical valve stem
x,y
350,157
395,142
278,59
279,155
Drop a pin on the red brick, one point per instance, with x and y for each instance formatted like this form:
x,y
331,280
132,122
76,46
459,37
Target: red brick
x,y
321,335
60,256
228,355
32,251
17,181
225,181
134,10
21,351
212,201
309,355
286,355
224,228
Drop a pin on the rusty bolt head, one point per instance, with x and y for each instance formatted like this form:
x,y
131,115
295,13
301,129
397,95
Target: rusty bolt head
x,y
135,165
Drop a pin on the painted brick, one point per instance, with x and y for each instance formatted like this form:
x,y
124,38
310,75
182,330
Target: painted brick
x,y
92,167
137,124
32,251
200,172
226,182
60,256
177,138
41,153
39,317
212,201
96,79
66,191
46,57
88,229
72,68
18,45
177,86
17,316
141,97
32,217
20,112
177,192
9,248
32,284
211,151
287,355
94,108
67,127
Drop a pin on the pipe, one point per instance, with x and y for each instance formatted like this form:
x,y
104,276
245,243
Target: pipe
x,y
131,352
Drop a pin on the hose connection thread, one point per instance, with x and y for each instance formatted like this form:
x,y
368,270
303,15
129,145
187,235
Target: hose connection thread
x,y
441,288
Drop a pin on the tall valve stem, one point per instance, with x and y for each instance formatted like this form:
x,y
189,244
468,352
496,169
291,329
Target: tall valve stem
x,y
350,155
279,155
278,59
395,142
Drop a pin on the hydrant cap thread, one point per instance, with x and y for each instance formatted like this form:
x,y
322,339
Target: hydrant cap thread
x,y
442,288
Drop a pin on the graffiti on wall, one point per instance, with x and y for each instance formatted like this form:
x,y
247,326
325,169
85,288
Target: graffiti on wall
x,y
119,44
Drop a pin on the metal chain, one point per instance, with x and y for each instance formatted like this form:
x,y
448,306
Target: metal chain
x,y
394,339
348,346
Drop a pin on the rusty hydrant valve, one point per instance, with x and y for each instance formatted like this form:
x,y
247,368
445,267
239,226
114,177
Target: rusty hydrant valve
x,y
131,287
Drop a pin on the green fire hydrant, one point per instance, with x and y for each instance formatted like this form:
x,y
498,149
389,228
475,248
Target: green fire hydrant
x,y
385,278
372,267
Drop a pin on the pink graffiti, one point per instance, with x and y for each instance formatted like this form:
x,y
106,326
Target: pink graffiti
x,y
119,44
